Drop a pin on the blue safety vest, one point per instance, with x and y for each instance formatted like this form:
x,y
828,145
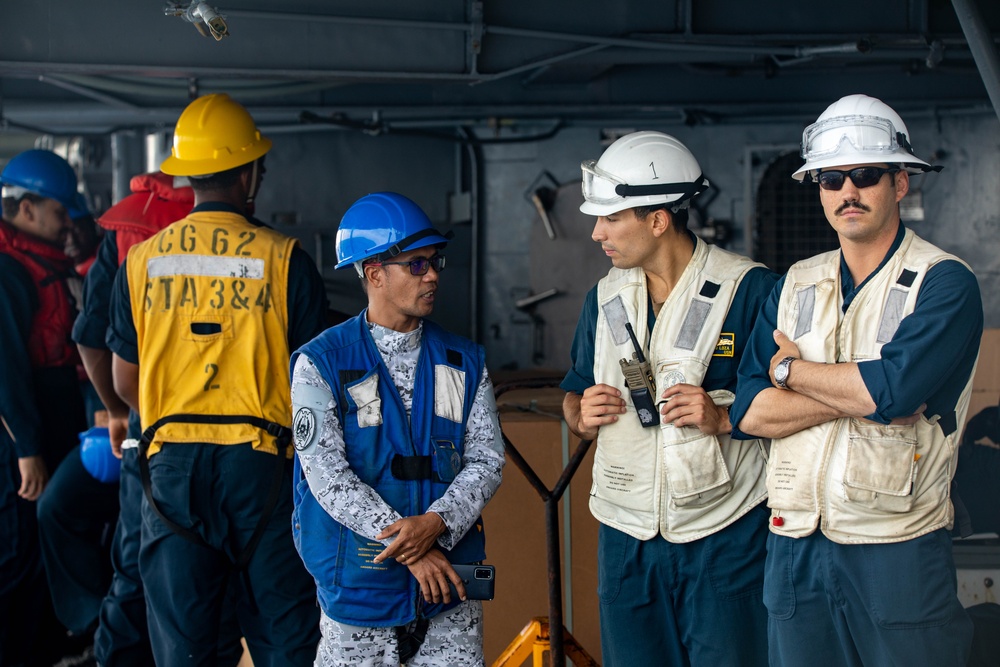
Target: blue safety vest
x,y
409,463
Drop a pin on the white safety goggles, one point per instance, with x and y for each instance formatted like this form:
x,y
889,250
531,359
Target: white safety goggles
x,y
865,134
605,189
598,185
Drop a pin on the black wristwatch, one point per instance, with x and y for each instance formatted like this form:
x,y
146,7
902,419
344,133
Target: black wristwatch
x,y
781,372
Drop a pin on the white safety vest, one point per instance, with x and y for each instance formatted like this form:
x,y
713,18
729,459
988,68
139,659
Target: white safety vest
x,y
675,481
859,481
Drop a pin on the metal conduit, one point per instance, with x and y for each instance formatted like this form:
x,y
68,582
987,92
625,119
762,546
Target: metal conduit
x,y
537,64
408,24
474,156
277,120
87,91
696,47
705,44
981,44
36,68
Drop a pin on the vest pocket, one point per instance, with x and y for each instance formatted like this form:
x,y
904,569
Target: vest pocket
x,y
367,401
622,473
317,536
881,466
358,571
791,471
696,472
447,462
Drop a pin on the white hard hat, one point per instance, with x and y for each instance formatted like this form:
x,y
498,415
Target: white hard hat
x,y
857,129
641,169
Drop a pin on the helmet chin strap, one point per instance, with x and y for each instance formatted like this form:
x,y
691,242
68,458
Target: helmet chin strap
x,y
255,169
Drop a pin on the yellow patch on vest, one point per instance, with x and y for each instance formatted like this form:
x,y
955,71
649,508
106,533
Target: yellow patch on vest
x,y
726,346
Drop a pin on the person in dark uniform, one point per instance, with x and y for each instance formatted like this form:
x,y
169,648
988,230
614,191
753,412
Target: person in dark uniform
x,y
681,505
78,510
859,369
41,407
204,315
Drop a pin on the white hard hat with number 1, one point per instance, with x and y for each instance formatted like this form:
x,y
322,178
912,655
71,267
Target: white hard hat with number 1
x,y
641,169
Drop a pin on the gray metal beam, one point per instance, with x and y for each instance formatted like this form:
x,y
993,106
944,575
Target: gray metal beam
x,y
981,44
85,91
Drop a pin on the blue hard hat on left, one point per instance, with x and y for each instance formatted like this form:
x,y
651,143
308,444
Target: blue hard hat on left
x,y
46,174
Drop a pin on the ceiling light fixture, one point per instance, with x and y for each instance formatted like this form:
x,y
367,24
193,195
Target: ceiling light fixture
x,y
204,16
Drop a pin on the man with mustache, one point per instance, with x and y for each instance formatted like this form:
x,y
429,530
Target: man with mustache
x,y
681,541
859,369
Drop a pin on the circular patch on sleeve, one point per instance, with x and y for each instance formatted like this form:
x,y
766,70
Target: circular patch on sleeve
x,y
304,428
673,377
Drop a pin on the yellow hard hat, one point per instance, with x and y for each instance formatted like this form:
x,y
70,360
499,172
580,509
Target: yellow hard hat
x,y
213,134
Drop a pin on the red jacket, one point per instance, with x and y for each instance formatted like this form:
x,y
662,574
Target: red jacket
x,y
153,204
49,344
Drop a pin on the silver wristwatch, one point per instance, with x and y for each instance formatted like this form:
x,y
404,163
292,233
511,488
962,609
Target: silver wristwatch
x,y
781,372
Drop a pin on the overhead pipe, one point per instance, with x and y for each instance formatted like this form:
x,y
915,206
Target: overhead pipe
x,y
809,53
474,153
984,51
474,37
48,121
756,47
36,68
450,115
407,24
94,86
545,62
180,89
86,91
650,44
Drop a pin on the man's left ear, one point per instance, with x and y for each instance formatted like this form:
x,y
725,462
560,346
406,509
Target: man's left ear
x,y
26,208
662,218
373,273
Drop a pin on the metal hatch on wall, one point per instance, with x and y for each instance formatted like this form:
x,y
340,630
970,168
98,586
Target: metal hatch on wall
x,y
789,223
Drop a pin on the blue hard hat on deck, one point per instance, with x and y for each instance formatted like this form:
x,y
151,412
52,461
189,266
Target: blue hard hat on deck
x,y
97,457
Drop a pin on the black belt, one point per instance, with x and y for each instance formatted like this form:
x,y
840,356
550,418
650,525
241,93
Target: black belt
x,y
411,468
282,435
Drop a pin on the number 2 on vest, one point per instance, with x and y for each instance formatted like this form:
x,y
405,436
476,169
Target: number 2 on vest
x,y
212,370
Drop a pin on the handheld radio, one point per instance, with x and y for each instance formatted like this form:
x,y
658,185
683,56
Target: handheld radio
x,y
641,384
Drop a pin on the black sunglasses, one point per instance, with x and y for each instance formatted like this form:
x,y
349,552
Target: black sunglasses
x,y
862,177
420,265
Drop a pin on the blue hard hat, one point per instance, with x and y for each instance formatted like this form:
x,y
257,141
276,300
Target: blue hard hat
x,y
97,457
46,174
383,224
80,208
